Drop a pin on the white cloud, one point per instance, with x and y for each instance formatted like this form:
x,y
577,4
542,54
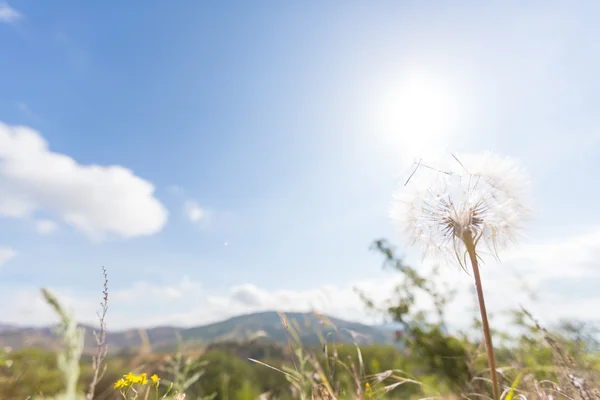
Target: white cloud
x,y
97,200
141,290
188,303
537,276
6,255
191,208
575,256
506,285
193,211
185,303
46,227
329,299
8,14
32,310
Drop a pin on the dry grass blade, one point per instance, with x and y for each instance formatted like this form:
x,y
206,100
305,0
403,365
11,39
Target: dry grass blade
x,y
478,395
286,326
325,384
382,376
392,386
274,368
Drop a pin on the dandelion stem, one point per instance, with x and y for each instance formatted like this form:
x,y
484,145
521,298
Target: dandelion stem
x,y
470,245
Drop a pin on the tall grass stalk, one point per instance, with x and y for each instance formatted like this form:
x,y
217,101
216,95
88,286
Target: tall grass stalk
x,y
98,368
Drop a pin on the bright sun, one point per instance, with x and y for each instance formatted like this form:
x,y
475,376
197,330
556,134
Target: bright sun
x,y
417,115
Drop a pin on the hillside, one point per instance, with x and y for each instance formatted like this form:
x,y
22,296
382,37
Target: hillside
x,y
240,328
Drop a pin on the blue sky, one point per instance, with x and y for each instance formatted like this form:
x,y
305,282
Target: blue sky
x,y
264,141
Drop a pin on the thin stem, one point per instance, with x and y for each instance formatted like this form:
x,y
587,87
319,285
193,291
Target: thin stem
x,y
101,348
147,392
470,245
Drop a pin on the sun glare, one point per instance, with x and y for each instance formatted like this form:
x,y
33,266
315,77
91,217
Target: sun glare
x,y
419,115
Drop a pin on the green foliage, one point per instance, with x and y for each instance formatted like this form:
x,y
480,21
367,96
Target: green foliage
x,y
184,372
232,377
225,375
5,360
425,337
115,369
246,392
32,371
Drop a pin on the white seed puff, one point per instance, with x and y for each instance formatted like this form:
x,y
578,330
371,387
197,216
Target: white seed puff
x,y
482,196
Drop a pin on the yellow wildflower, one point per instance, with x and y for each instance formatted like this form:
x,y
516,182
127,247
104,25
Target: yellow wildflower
x,y
130,378
120,384
142,379
368,391
155,378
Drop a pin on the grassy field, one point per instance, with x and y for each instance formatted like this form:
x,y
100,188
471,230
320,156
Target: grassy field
x,y
428,362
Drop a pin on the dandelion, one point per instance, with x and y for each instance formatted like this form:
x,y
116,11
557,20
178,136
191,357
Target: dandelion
x,y
477,196
455,209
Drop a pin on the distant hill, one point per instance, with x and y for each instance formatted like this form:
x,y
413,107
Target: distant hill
x,y
309,326
6,327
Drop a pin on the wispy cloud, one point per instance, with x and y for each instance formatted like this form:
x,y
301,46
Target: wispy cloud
x,y
46,227
175,190
27,112
77,55
142,289
193,211
5,255
9,14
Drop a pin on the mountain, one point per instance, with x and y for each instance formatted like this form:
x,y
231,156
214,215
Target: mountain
x,y
6,327
391,326
310,328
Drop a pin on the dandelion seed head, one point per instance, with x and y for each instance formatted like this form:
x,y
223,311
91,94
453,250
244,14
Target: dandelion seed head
x,y
481,196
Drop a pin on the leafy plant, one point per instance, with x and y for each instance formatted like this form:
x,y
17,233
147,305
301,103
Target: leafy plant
x,y
183,371
67,358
